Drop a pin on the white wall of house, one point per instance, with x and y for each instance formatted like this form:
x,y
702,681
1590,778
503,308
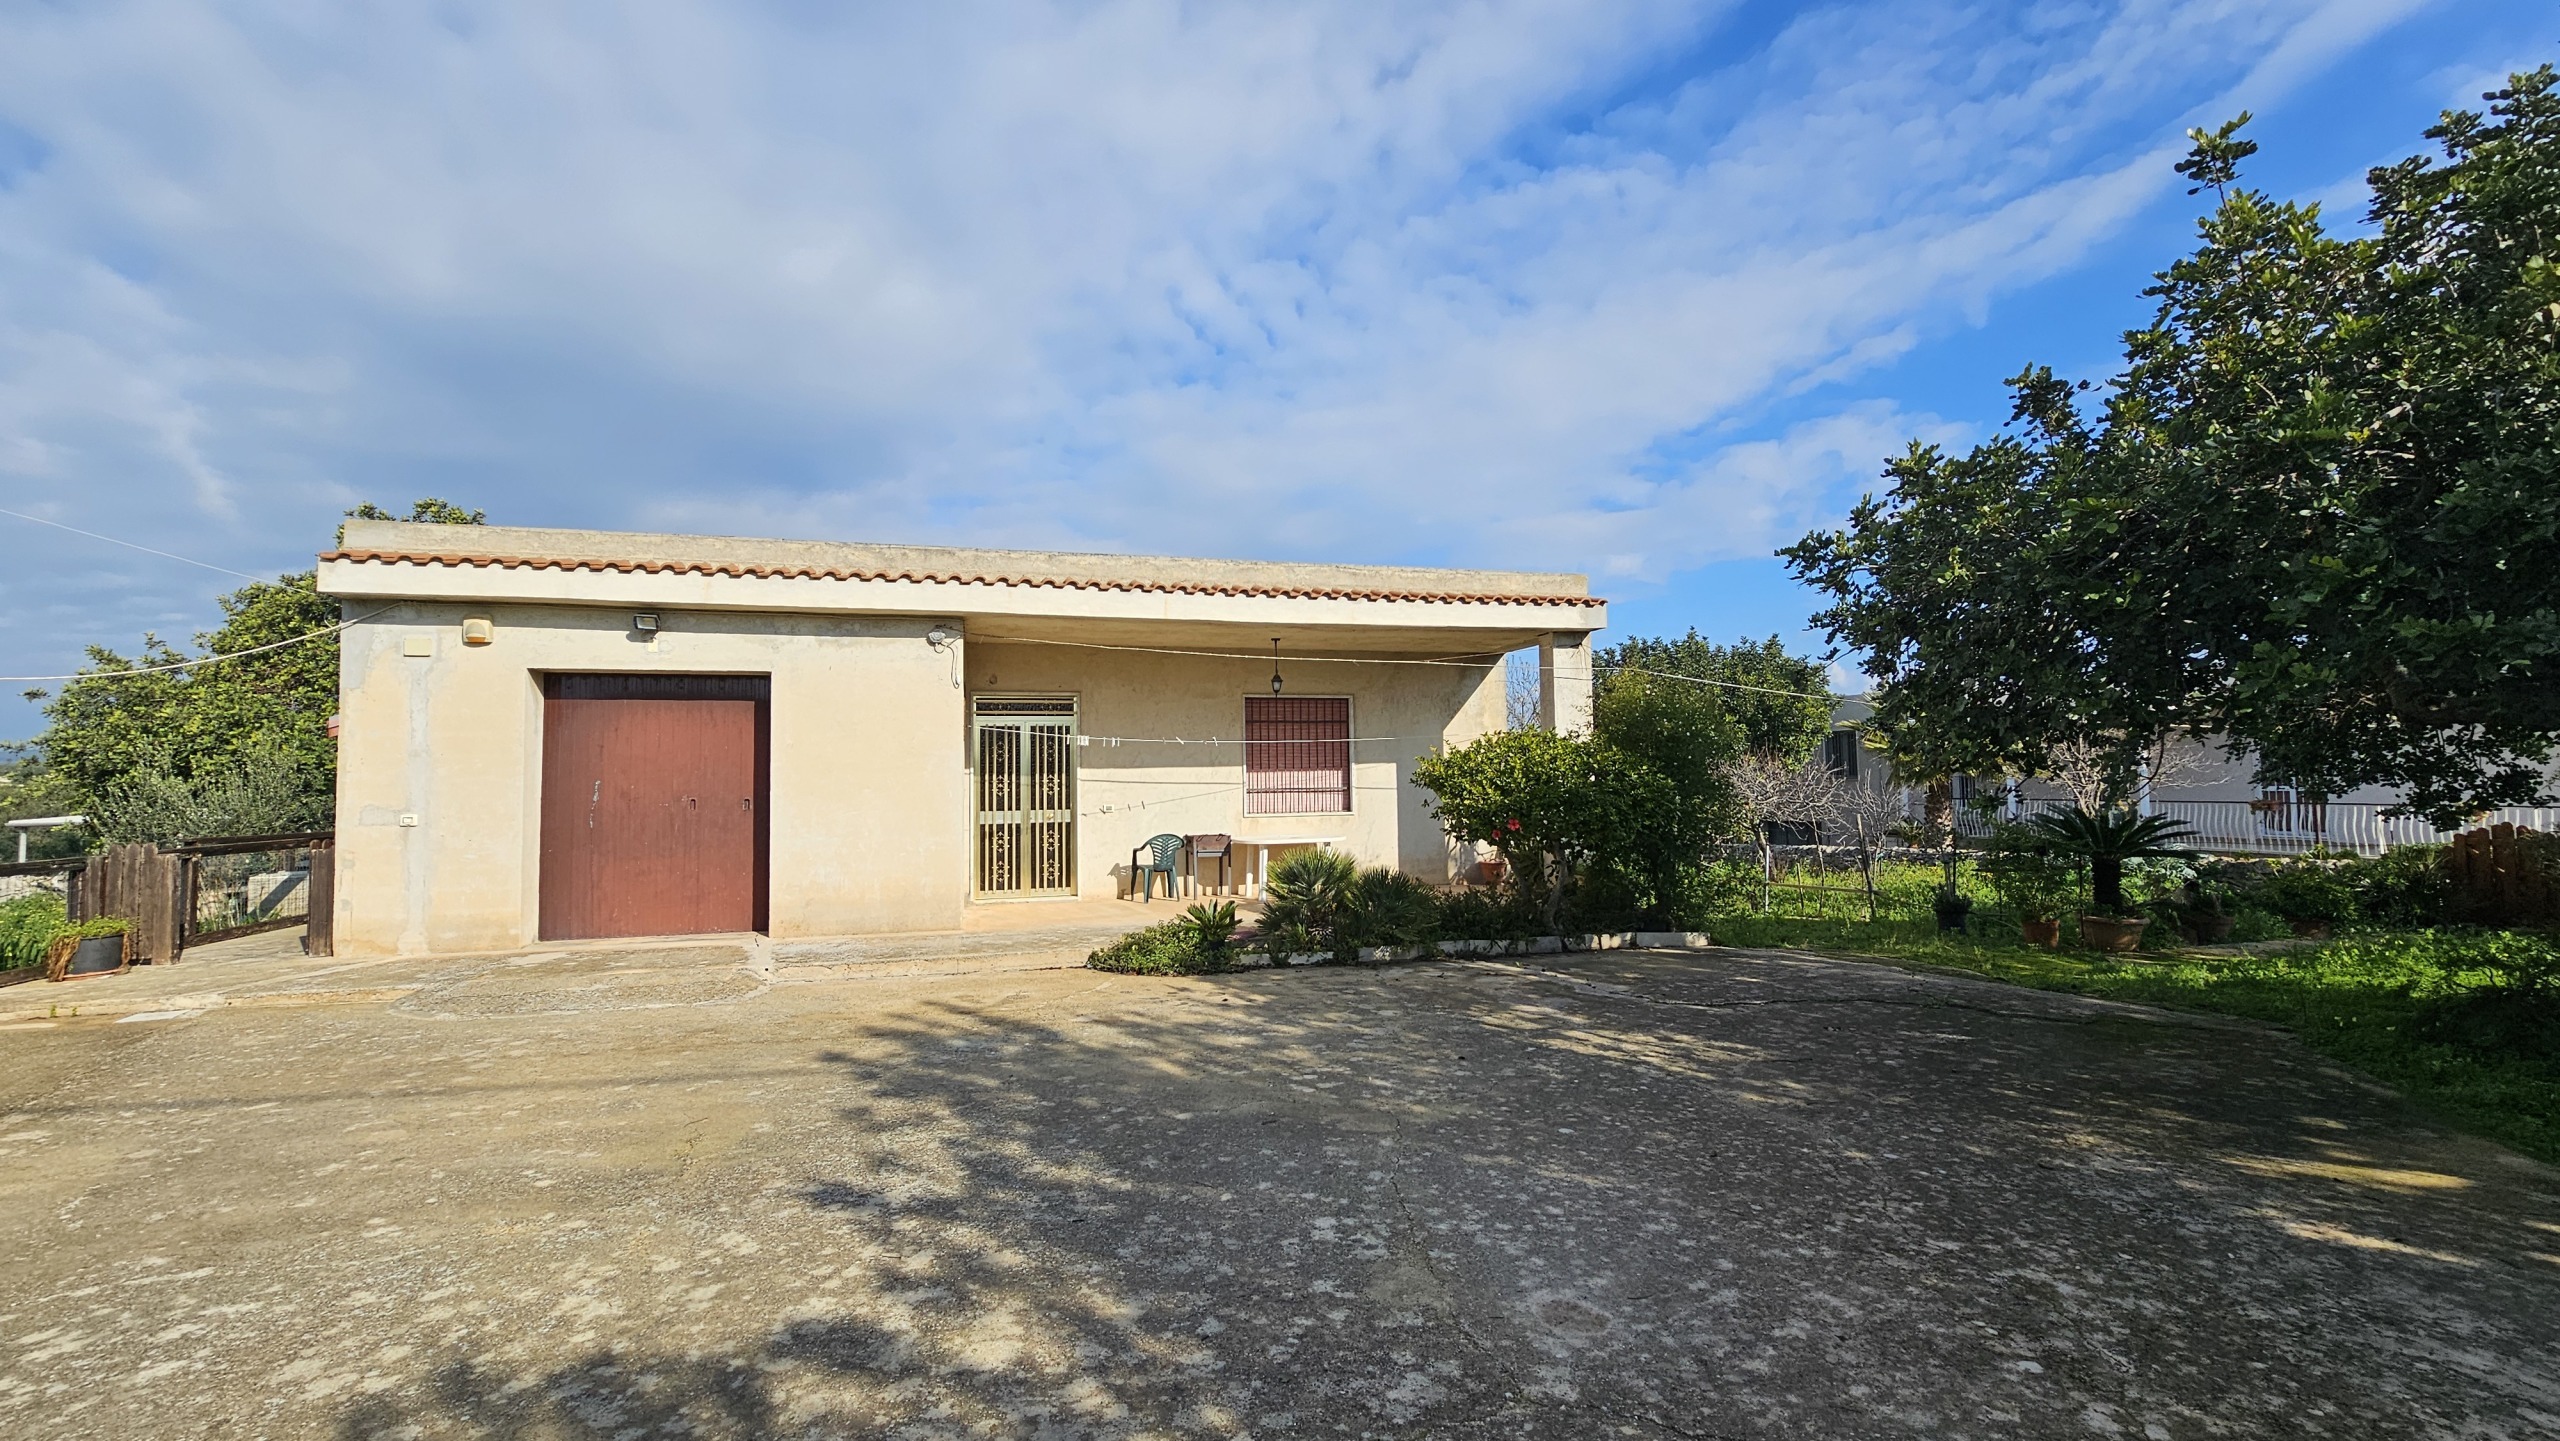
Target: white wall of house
x,y
1141,787
870,813
440,763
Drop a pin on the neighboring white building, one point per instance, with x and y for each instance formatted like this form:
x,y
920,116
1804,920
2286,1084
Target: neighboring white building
x,y
2212,791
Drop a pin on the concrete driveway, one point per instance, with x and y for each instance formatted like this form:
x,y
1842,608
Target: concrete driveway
x,y
661,1193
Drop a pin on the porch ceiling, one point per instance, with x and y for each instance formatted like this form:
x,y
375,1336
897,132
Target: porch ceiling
x,y
1301,641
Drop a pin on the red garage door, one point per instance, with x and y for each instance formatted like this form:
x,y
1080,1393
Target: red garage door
x,y
653,804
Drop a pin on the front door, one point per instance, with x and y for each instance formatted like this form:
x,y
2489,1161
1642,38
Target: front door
x,y
1023,751
653,804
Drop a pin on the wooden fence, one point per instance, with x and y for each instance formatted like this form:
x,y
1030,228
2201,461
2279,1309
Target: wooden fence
x,y
201,891
2505,875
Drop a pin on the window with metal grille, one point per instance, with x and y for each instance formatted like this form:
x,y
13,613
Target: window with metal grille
x,y
1840,753
1297,754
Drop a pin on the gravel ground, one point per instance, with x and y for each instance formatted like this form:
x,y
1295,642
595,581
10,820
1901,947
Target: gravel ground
x,y
664,1193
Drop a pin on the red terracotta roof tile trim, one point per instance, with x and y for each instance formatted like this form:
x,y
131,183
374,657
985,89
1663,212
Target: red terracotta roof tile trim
x,y
743,570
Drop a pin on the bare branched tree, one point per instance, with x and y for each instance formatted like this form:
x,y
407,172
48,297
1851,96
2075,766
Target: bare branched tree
x,y
1864,818
1520,691
2109,773
1774,793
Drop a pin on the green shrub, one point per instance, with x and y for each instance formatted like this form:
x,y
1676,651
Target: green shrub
x,y
2032,880
2252,924
2406,889
2307,889
1550,804
1302,901
1171,949
1605,897
1212,927
1386,908
28,925
1486,914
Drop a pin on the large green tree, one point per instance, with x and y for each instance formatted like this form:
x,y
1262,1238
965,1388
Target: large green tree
x,y
2317,513
166,732
1781,703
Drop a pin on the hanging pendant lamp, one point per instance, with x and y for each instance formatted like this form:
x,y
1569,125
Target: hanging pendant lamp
x,y
1275,665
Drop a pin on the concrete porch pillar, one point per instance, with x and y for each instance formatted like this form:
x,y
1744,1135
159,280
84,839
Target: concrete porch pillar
x,y
1564,682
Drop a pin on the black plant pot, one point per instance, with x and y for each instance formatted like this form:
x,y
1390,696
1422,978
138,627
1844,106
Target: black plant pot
x,y
97,956
1952,911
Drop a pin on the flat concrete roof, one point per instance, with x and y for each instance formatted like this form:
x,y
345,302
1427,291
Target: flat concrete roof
x,y
412,539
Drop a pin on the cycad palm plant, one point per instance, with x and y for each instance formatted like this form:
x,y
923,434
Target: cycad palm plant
x,y
1303,898
2106,839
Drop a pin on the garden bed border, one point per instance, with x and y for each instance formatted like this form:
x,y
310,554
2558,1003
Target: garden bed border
x,y
1525,946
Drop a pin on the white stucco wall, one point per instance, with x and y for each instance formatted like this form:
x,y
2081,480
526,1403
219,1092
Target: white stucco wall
x,y
869,810
867,757
1131,791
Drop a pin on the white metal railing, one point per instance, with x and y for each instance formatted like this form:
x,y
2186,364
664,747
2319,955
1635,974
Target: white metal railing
x,y
2291,827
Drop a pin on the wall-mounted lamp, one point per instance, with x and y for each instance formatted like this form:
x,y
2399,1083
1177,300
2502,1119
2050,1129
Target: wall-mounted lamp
x,y
937,637
478,630
1275,665
646,623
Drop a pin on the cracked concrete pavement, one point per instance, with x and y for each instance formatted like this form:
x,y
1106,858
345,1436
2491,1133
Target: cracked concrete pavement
x,y
662,1193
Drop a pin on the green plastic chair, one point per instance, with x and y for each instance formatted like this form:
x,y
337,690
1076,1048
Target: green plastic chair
x,y
1163,857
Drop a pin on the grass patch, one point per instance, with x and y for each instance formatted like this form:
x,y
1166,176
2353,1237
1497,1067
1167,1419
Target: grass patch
x,y
2463,1023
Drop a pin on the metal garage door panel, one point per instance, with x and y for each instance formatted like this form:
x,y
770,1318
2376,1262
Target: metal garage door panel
x,y
653,805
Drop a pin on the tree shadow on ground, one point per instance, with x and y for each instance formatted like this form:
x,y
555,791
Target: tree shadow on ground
x,y
1452,1201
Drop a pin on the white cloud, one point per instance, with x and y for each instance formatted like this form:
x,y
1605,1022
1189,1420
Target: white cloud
x,y
1438,280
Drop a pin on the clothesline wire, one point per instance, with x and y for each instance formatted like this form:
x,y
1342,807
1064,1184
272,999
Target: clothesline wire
x,y
1094,740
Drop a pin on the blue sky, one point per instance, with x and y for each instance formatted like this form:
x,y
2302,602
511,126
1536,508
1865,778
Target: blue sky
x,y
1641,289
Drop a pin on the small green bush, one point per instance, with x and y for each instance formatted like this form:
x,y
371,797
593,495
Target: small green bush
x,y
1486,913
1171,949
2405,889
2033,882
2307,889
1212,926
2253,924
28,925
1386,908
1303,899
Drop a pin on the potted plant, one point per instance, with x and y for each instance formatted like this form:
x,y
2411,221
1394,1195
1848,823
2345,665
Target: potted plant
x,y
2310,895
88,948
1952,907
2032,882
2106,839
2203,916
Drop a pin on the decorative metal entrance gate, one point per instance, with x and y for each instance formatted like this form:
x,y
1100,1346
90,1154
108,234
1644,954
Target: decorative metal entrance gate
x,y
1024,753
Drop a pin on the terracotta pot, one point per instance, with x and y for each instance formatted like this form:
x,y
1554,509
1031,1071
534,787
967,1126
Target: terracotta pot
x,y
1490,871
2309,929
2112,933
2046,933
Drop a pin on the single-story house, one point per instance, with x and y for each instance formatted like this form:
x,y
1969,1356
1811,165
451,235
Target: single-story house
x,y
562,734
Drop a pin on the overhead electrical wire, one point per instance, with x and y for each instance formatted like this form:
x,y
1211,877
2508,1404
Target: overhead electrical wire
x,y
129,545
201,660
